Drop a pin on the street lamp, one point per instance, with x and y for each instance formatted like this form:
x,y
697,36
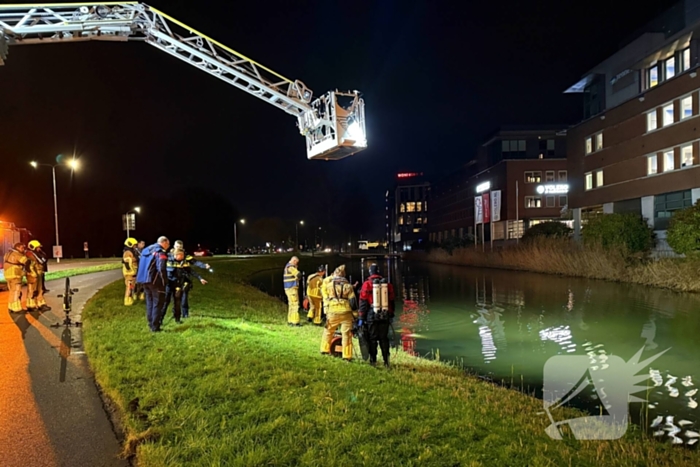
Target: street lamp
x,y
296,226
235,236
126,219
73,164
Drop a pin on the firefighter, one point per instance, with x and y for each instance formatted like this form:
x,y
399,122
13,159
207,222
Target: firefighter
x,y
180,278
342,305
313,292
35,270
324,284
291,289
14,264
375,315
138,290
130,267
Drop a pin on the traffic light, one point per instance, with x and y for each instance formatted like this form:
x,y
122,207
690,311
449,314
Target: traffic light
x,y
4,47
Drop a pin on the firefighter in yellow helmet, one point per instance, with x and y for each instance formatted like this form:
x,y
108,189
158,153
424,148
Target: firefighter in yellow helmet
x,y
35,269
342,306
291,289
313,291
130,266
14,263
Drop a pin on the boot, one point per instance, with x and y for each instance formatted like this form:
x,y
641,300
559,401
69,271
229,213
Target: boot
x,y
45,308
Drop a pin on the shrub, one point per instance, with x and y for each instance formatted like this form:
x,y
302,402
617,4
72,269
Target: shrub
x,y
684,231
547,230
453,243
629,232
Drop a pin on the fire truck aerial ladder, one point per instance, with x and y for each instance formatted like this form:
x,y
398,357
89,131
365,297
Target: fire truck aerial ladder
x,y
333,124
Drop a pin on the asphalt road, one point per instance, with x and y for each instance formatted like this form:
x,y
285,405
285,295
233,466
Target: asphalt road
x,y
50,411
79,263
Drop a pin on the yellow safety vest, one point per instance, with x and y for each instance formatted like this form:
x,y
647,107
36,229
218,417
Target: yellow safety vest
x,y
290,276
13,266
313,289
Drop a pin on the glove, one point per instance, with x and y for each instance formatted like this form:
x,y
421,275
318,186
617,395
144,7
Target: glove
x,y
360,323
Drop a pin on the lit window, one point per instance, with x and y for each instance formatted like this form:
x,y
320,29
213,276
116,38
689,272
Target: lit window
x,y
599,141
671,67
411,207
403,208
562,175
533,202
533,177
599,178
686,59
550,145
419,220
652,165
668,114
419,206
549,176
400,220
653,76
589,145
651,120
686,107
550,201
416,230
589,181
563,201
669,161
687,155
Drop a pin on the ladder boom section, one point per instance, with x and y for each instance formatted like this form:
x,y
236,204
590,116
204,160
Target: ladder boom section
x,y
319,121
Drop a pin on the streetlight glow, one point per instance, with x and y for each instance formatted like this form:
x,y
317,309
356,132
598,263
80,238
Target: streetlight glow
x,y
242,221
74,164
302,222
34,164
137,209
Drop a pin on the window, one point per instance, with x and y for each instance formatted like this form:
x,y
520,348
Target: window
x,y
686,107
653,75
669,161
599,141
668,114
599,178
409,220
670,68
400,220
513,145
666,205
550,145
687,155
563,201
651,120
533,177
562,175
419,220
685,59
419,206
589,145
533,202
550,202
652,165
411,207
589,181
549,176
403,208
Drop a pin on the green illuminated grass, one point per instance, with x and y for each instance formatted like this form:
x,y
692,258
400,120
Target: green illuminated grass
x,y
77,271
234,386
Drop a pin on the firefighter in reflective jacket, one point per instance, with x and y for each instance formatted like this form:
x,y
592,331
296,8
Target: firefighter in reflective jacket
x,y
14,263
376,313
342,304
130,267
313,291
291,289
36,268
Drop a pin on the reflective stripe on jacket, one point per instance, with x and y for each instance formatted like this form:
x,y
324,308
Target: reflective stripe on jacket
x,y
340,295
13,266
313,288
290,276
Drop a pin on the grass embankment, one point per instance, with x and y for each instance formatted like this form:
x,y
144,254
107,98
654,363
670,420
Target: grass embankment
x,y
76,272
235,386
564,257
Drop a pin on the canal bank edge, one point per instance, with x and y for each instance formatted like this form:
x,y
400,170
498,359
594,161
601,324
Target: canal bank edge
x,y
564,258
155,388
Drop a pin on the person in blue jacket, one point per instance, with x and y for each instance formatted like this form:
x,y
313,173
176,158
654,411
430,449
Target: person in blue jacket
x,y
153,274
180,279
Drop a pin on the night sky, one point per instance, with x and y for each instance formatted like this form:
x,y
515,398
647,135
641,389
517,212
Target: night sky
x,y
196,153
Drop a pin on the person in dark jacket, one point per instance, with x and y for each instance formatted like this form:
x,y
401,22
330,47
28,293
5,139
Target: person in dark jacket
x,y
180,278
153,274
375,321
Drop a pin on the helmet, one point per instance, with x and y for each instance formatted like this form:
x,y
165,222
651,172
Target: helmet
x,y
34,244
131,242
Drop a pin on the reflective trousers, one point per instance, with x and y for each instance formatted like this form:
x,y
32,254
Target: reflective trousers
x,y
378,333
315,309
35,291
15,288
333,321
130,292
155,305
293,300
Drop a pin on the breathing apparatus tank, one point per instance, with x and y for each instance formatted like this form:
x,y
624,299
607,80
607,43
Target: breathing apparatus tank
x,y
384,286
376,295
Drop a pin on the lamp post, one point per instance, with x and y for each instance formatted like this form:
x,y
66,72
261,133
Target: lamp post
x,y
126,219
73,165
296,226
235,236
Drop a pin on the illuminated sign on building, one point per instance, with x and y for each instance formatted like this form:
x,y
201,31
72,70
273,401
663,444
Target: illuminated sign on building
x,y
483,187
553,189
409,174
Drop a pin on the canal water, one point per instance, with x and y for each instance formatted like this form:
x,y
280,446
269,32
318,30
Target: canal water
x,y
506,325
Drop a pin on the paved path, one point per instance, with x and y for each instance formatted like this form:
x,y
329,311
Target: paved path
x,y
50,411
79,263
